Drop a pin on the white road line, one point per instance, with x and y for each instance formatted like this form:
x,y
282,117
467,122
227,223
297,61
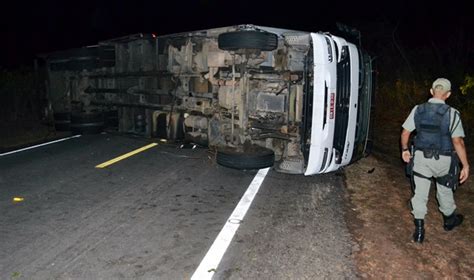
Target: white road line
x,y
208,265
39,145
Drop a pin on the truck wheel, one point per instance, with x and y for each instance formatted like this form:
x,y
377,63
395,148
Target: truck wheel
x,y
62,121
87,123
260,40
254,158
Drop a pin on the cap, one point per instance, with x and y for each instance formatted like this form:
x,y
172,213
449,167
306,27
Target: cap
x,y
442,84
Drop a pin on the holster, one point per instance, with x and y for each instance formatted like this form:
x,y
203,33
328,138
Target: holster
x,y
451,180
431,154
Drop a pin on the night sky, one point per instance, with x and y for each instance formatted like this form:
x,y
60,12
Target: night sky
x,y
44,26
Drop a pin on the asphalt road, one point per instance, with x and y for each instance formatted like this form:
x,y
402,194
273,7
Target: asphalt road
x,y
156,214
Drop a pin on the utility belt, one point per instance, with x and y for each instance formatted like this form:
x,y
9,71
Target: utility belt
x,y
432,153
450,180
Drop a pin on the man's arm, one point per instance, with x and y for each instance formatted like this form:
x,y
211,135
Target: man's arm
x,y
404,138
458,143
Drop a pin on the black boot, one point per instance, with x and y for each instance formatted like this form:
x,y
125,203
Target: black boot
x,y
452,221
419,234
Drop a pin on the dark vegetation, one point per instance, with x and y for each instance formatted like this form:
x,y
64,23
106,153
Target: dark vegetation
x,y
405,70
23,106
22,95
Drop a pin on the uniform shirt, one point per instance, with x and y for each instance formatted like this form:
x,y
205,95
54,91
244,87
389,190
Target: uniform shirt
x,y
455,120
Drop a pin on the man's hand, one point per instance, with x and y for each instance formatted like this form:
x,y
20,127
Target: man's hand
x,y
404,143
464,174
406,156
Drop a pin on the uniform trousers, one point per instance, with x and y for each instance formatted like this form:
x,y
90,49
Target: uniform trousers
x,y
431,167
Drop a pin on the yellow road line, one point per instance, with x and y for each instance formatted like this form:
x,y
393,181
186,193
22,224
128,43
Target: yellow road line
x,y
117,159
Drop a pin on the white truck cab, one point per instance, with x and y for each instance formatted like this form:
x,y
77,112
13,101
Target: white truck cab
x,y
346,105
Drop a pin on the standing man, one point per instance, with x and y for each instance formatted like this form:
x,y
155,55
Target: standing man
x,y
438,142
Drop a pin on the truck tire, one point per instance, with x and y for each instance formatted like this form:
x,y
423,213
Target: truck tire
x,y
236,40
62,121
254,158
87,123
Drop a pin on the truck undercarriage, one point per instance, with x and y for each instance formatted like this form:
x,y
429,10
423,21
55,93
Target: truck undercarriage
x,y
245,91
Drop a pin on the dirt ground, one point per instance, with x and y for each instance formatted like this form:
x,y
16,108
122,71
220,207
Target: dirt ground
x,y
380,220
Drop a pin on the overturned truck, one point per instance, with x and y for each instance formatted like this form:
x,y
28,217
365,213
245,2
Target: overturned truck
x,y
259,96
